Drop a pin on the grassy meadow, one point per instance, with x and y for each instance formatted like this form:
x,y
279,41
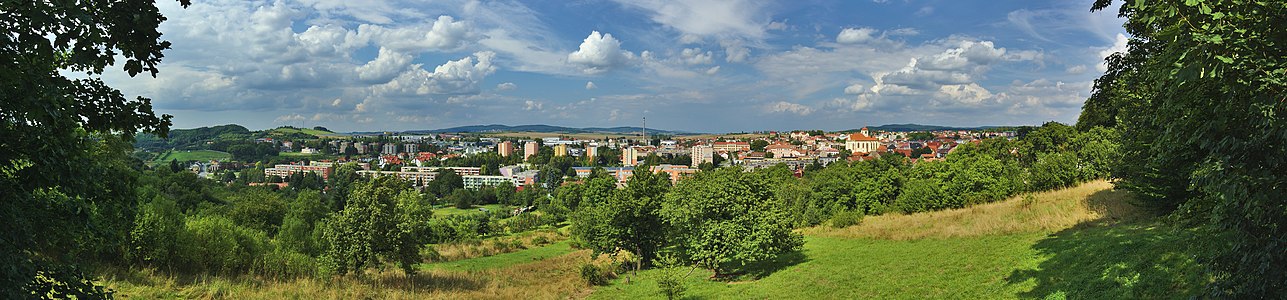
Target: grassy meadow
x,y
1086,242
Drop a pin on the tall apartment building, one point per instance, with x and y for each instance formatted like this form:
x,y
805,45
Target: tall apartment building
x,y
389,149
410,148
561,150
591,151
319,168
505,148
703,154
629,156
530,149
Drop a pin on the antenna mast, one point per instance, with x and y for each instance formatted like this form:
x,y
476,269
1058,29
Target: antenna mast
x,y
645,131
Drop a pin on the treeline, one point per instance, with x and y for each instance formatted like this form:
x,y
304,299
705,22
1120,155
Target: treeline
x,y
1198,98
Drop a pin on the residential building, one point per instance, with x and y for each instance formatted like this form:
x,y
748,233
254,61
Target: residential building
x,y
410,148
732,146
389,149
561,150
475,182
286,169
675,172
591,151
703,154
529,149
505,148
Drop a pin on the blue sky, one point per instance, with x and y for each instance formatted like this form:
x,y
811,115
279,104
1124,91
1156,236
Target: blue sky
x,y
692,65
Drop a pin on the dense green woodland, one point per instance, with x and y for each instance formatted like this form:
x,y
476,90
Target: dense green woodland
x,y
1191,118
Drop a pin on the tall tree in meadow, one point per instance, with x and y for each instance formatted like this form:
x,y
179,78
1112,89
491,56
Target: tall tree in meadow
x,y
725,219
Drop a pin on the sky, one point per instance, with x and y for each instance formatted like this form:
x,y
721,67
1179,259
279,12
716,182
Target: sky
x,y
687,65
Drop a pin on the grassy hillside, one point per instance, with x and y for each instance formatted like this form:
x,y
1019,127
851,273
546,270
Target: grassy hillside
x,y
1087,242
197,155
286,131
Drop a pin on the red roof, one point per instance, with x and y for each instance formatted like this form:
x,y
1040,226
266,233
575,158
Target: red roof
x,y
861,137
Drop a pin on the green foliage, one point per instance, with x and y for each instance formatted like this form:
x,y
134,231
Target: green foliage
x,y
759,145
627,219
218,245
299,230
1198,100
1055,171
380,223
157,234
671,284
846,218
920,195
594,275
257,208
726,219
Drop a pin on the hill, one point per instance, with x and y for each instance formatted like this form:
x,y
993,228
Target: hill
x,y
495,128
919,127
300,132
194,138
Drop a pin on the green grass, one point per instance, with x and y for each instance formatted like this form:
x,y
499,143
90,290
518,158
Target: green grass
x,y
452,210
1110,253
198,155
1138,261
503,260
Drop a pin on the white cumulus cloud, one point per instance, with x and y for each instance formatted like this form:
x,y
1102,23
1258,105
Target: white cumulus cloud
x,y
589,85
600,53
855,35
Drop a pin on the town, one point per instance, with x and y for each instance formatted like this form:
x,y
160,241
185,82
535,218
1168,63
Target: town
x,y
417,158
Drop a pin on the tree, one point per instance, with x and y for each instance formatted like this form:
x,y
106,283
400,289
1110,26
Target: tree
x,y
299,230
627,219
373,228
725,219
446,181
759,145
155,239
1198,100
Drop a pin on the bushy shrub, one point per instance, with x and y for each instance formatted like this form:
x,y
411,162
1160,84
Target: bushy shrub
x,y
594,275
217,245
846,218
283,263
671,285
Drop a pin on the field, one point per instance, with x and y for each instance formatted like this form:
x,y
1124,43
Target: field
x,y
197,155
1087,242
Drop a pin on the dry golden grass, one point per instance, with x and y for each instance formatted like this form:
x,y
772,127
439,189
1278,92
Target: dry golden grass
x,y
553,278
1091,203
472,249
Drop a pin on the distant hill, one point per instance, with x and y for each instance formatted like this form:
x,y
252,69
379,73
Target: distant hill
x,y
919,127
541,128
190,138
